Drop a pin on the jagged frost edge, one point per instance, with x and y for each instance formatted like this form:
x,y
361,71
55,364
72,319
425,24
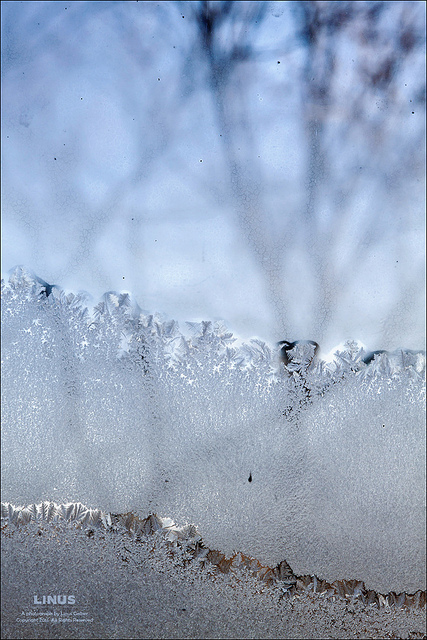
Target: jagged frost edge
x,y
281,576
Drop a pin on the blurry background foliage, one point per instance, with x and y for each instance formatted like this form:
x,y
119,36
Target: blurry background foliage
x,y
261,162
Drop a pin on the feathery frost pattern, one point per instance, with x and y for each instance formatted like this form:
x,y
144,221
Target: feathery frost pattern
x,y
186,543
323,467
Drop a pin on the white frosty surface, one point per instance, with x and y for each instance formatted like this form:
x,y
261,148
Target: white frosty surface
x,y
132,588
121,410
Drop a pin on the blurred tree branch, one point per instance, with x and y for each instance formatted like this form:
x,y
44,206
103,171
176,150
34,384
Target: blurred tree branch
x,y
226,33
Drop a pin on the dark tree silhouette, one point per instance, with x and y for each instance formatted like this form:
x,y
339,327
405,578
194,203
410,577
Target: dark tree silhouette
x,y
226,51
323,175
332,117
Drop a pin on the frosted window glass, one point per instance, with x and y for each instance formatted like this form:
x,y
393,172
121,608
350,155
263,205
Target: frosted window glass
x,y
184,186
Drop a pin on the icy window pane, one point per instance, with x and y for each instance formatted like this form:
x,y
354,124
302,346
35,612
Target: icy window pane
x,y
220,178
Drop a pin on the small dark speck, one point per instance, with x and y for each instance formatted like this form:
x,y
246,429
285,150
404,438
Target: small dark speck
x,y
250,477
81,98
54,158
278,62
158,79
184,609
200,160
413,112
166,480
383,426
123,277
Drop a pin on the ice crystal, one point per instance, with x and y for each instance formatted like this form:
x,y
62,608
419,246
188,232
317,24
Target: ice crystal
x,y
123,411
